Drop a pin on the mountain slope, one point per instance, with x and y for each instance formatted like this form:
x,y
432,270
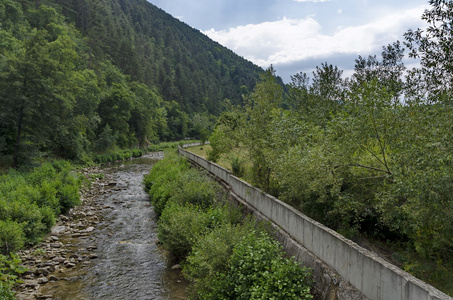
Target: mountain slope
x,y
156,49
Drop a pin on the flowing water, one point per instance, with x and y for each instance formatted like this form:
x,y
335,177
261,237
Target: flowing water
x,y
129,263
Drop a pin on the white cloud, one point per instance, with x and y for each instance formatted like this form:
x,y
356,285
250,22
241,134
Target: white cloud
x,y
290,40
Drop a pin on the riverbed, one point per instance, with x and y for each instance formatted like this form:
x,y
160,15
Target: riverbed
x,y
107,248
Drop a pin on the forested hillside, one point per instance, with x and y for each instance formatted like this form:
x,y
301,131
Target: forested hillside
x,y
82,77
156,49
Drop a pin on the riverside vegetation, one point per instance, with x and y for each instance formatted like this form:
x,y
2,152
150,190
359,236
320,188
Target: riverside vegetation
x,y
370,156
32,200
29,206
224,254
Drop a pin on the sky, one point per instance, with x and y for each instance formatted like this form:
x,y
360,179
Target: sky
x,y
298,35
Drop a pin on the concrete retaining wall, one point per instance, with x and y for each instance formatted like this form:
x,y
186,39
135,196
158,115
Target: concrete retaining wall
x,y
373,277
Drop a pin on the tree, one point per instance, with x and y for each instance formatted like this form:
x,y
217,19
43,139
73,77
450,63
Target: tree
x,y
261,105
298,98
144,115
388,72
33,79
434,47
326,93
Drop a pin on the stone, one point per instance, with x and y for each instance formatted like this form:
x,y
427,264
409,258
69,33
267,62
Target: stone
x,y
53,278
58,230
43,297
42,271
63,218
31,284
70,265
58,260
176,267
43,280
93,256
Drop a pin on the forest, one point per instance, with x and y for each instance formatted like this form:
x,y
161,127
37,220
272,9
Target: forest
x,y
370,156
84,77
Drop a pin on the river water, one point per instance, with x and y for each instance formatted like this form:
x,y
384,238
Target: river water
x,y
129,264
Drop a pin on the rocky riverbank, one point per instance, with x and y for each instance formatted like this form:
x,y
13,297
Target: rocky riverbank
x,y
106,247
67,247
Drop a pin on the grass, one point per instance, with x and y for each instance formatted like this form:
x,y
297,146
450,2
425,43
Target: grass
x,y
225,160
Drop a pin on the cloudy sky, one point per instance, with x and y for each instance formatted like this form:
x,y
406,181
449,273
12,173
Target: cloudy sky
x,y
298,35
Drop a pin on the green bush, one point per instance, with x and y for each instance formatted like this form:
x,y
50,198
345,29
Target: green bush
x,y
258,270
68,196
180,227
6,293
162,181
22,211
36,198
10,269
210,237
113,156
12,236
210,255
213,155
196,188
48,196
237,166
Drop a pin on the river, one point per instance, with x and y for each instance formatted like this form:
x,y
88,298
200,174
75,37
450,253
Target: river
x,y
125,261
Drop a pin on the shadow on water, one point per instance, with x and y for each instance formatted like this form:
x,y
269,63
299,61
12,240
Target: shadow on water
x,y
129,263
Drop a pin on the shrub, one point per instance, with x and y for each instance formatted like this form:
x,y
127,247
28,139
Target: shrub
x,y
12,236
225,258
237,166
22,211
10,268
163,179
196,188
48,196
68,196
210,256
213,155
258,270
35,199
180,227
6,293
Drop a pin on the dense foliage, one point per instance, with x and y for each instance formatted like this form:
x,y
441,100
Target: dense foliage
x,y
31,202
10,270
369,154
224,255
